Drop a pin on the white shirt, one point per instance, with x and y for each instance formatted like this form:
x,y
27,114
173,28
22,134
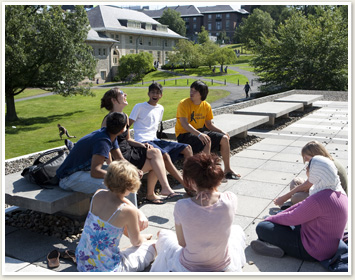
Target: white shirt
x,y
146,121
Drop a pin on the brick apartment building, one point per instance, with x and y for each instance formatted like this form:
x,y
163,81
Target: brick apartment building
x,y
215,19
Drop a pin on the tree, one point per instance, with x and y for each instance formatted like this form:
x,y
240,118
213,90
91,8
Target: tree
x,y
306,53
208,50
187,54
45,47
225,56
135,66
222,38
203,36
252,28
174,21
277,12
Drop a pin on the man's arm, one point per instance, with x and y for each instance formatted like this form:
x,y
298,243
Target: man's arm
x,y
96,167
209,124
203,137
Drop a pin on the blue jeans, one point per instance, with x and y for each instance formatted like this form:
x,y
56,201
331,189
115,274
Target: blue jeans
x,y
288,238
81,181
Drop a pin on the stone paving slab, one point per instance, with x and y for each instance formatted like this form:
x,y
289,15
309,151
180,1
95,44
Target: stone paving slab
x,y
232,124
20,192
305,99
272,109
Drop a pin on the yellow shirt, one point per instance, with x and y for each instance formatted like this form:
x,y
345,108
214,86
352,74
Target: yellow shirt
x,y
196,115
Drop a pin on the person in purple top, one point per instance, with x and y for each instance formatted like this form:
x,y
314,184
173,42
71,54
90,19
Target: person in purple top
x,y
311,229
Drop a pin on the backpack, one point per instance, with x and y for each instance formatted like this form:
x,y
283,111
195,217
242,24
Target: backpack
x,y
338,263
44,172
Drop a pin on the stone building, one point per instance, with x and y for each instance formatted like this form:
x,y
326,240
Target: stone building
x,y
215,19
116,32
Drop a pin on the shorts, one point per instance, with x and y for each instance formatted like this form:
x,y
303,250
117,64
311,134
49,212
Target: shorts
x,y
174,149
196,144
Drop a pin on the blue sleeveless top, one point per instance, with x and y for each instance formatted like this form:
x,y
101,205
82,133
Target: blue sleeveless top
x,y
98,249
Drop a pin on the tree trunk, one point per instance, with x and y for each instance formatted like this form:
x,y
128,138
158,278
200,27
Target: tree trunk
x,y
10,109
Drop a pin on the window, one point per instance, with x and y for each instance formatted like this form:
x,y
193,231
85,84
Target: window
x,y
131,39
99,51
209,26
141,41
165,43
228,16
209,17
227,24
113,36
149,41
104,51
218,25
194,19
218,16
117,37
103,75
194,26
115,57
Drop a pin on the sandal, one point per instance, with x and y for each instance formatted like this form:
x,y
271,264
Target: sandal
x,y
157,201
174,197
68,254
232,176
53,259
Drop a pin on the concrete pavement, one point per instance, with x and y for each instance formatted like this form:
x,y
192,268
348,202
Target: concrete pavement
x,y
267,168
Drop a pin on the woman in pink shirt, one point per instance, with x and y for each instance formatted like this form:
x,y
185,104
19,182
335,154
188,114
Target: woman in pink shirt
x,y
205,239
311,229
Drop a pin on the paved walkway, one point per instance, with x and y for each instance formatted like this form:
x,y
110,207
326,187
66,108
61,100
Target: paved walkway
x,y
266,167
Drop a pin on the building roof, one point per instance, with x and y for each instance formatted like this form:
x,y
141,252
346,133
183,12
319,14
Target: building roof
x,y
99,37
106,18
191,10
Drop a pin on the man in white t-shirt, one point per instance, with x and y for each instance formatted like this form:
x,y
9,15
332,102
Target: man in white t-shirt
x,y
146,118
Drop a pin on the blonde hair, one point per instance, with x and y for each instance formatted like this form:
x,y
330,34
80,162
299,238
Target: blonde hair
x,y
314,148
122,176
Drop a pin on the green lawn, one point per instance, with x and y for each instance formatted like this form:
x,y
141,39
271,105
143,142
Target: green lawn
x,y
37,128
175,83
30,92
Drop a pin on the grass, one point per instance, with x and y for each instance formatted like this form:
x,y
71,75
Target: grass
x,y
30,92
176,83
37,128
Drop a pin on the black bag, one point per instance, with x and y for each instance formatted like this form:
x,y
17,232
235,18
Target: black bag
x,y
44,173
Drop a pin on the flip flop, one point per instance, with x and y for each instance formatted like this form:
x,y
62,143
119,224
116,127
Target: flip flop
x,y
232,176
53,259
157,201
68,254
174,197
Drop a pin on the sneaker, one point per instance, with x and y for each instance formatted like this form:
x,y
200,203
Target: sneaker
x,y
266,249
69,144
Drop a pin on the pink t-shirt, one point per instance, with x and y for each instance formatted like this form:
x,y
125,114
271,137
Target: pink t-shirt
x,y
206,231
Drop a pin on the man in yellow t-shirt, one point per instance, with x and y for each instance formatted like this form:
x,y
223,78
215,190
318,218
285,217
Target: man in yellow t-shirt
x,y
194,127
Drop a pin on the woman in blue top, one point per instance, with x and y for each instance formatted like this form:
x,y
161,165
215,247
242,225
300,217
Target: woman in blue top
x,y
110,216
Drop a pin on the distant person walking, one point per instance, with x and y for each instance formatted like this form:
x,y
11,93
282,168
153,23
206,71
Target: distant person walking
x,y
62,131
247,88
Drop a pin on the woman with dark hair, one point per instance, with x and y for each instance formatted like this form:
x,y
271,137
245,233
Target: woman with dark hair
x,y
205,239
142,155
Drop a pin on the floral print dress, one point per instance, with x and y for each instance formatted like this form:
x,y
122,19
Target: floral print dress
x,y
98,249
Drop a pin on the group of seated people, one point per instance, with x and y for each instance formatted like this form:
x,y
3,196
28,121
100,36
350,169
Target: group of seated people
x,y
110,164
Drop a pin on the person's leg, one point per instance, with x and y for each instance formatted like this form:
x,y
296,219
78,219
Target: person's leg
x,y
170,167
138,258
187,152
81,181
288,238
221,141
155,162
